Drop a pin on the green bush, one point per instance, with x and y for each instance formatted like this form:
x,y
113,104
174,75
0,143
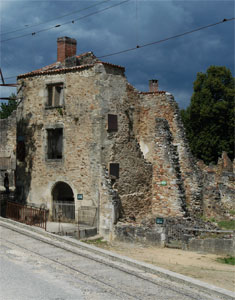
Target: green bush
x,y
227,260
230,225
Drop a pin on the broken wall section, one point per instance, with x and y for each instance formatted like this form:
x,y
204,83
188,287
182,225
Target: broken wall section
x,y
189,179
218,188
132,188
168,190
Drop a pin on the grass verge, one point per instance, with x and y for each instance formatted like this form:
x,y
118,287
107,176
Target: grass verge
x,y
97,242
227,260
230,225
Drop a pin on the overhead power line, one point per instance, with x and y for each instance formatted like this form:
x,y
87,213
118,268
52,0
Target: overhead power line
x,y
65,23
159,41
166,39
63,16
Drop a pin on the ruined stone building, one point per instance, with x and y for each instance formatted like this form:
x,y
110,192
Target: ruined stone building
x,y
85,136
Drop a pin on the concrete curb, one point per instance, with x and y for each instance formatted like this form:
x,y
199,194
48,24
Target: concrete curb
x,y
114,260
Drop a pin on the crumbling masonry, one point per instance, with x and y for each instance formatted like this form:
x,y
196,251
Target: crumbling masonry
x,y
86,136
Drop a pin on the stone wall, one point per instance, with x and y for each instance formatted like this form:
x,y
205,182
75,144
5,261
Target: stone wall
x,y
218,189
160,133
80,121
158,176
168,190
182,233
167,108
215,246
8,150
90,94
131,192
140,233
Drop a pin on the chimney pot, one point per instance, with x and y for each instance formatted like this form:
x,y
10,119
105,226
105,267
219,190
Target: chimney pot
x,y
66,47
153,85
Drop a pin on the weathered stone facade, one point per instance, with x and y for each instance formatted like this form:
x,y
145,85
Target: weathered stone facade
x,y
89,138
8,150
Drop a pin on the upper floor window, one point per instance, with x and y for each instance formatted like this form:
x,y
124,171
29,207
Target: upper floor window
x,y
112,123
55,94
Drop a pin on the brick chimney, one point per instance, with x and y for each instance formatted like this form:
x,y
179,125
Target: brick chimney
x,y
66,47
153,85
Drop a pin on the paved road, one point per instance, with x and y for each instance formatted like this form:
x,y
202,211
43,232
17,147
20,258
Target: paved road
x,y
32,269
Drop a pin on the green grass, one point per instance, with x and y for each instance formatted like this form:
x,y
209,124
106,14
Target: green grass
x,y
232,212
227,260
97,242
230,225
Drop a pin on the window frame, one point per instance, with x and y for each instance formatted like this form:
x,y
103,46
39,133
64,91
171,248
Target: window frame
x,y
112,123
47,154
51,90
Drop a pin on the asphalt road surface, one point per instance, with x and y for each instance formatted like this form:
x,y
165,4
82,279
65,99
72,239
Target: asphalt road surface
x,y
32,269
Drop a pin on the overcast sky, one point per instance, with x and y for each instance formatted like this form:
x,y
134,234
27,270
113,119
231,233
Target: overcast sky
x,y
174,63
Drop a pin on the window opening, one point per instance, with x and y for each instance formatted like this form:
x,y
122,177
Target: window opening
x,y
55,95
112,122
54,143
114,170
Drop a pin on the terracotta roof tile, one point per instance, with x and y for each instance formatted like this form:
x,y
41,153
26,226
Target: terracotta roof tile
x,y
57,67
54,71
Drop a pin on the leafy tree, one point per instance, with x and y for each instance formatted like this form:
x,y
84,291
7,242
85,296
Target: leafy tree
x,y
209,119
7,108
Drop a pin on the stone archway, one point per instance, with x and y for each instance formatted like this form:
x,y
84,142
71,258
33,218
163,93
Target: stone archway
x,y
63,202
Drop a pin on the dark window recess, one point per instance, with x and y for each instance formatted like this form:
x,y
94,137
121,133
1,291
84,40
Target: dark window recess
x,y
55,95
114,170
20,151
54,143
112,122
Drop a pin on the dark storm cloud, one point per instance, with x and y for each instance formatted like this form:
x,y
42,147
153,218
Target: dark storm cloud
x,y
175,63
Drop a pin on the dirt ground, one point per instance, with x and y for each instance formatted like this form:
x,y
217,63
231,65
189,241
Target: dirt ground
x,y
203,267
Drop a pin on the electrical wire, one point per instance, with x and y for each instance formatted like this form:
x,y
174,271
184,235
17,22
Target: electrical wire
x,y
166,39
65,23
159,41
69,14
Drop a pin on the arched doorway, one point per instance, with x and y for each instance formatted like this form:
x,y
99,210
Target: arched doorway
x,y
63,202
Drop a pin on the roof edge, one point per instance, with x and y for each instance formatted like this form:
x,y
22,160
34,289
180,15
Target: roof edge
x,y
55,71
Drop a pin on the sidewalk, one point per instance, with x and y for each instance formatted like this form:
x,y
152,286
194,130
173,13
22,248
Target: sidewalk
x,y
115,260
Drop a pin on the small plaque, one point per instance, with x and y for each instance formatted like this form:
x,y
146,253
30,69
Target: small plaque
x,y
160,221
164,183
80,196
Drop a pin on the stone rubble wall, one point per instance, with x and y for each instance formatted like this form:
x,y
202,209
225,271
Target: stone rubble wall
x,y
132,190
169,199
167,108
187,178
218,189
182,233
154,235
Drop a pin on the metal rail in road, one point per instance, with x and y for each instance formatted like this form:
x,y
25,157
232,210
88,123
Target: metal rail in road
x,y
96,273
